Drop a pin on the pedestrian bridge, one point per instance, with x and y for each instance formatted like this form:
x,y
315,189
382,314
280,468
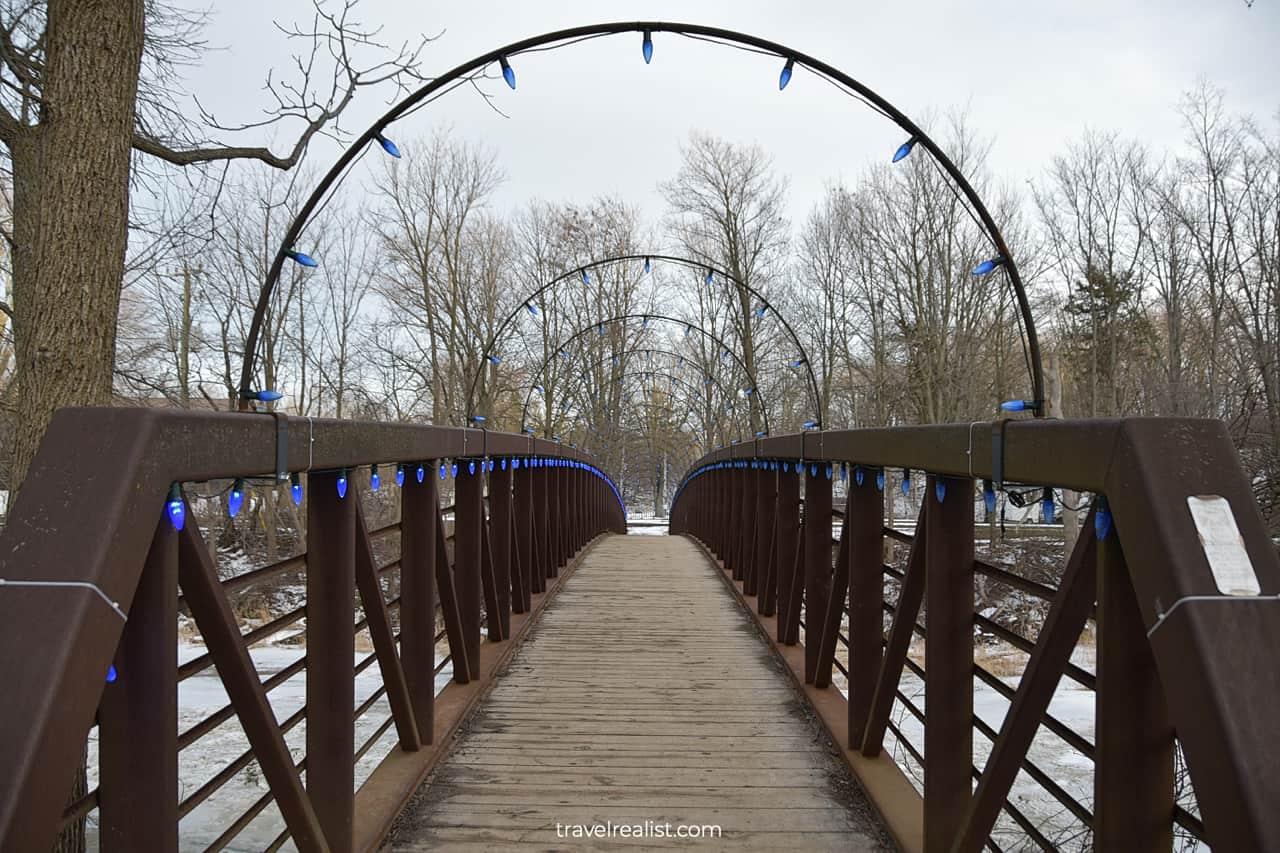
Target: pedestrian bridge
x,y
751,680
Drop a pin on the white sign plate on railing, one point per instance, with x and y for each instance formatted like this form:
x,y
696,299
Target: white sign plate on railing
x,y
1223,545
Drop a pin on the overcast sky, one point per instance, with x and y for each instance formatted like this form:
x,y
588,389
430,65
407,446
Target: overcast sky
x,y
593,118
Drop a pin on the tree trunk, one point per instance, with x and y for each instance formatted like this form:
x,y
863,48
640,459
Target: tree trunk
x,y
70,211
71,203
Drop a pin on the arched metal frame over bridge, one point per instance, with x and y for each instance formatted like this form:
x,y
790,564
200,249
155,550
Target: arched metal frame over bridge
x,y
560,347
916,137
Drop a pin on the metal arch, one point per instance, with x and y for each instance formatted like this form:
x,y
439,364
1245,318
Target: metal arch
x,y
676,259
719,385
671,443
695,30
683,383
559,345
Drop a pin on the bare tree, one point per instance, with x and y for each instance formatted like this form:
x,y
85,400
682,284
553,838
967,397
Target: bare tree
x,y
726,208
85,87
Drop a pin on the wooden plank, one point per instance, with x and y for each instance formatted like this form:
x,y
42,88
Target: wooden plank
x,y
640,694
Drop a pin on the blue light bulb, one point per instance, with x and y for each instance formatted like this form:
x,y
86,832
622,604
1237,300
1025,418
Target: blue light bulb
x,y
236,499
301,258
453,470
880,480
265,396
111,673
421,473
809,425
1102,519
400,476
785,77
798,362
515,464
905,148
531,309
504,465
1046,506
442,470
988,496
828,472
342,483
647,47
507,73
175,508
906,482
940,489
987,266
374,480
586,279
760,311
1016,405
857,476
710,277
646,264
295,488
388,146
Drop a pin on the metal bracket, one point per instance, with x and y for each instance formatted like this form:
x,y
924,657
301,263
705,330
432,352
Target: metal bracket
x,y
282,446
997,453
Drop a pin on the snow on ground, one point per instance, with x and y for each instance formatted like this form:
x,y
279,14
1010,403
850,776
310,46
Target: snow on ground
x,y
202,695
646,526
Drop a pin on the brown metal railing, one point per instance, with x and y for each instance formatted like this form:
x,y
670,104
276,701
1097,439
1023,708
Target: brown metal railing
x,y
1178,667
93,514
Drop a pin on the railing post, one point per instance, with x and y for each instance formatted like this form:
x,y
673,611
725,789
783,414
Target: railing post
x,y
500,536
468,533
724,511
732,530
788,543
523,510
817,561
331,555
419,520
138,713
1133,763
864,527
948,733
761,530
555,534
747,533
542,525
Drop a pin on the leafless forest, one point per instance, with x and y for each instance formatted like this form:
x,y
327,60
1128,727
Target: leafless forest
x,y
1154,276
1153,273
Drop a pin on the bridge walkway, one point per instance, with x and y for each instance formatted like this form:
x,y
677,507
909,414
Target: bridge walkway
x,y
644,698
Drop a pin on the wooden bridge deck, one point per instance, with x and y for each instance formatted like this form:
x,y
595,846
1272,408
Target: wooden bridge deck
x,y
643,697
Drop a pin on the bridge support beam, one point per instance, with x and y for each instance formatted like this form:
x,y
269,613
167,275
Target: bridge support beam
x,y
468,541
1134,768
331,556
788,553
948,737
864,530
138,714
419,508
817,562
